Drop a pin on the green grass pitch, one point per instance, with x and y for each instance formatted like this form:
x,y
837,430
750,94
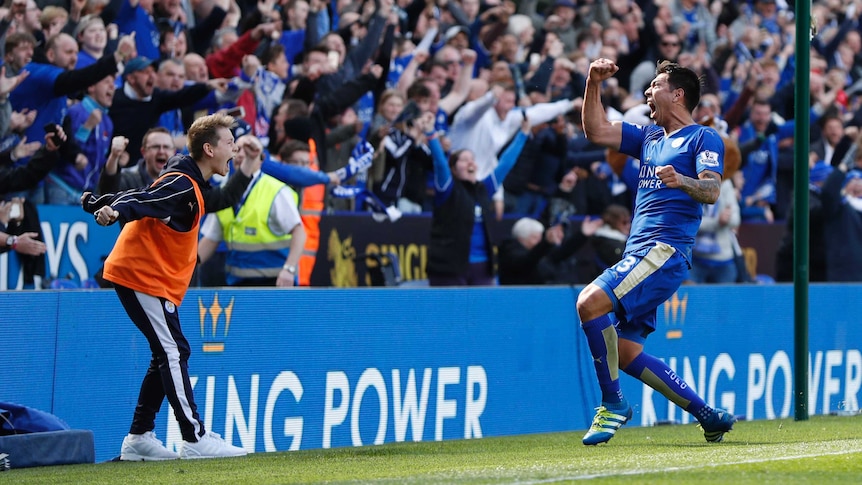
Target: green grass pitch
x,y
822,450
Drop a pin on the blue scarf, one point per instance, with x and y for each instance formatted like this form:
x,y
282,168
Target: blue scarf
x,y
359,162
379,212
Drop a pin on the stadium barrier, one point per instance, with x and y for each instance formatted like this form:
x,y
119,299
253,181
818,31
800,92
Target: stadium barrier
x,y
277,370
77,245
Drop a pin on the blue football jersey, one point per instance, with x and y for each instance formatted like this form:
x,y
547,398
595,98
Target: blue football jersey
x,y
661,213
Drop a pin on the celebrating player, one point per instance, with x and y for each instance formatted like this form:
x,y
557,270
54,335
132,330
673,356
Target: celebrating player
x,y
681,167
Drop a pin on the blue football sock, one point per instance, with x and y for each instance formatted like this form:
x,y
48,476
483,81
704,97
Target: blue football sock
x,y
602,340
656,374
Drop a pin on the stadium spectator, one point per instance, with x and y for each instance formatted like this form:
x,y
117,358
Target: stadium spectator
x,y
674,182
534,177
669,47
289,108
407,161
14,178
841,198
171,77
264,233
295,18
48,85
226,59
173,42
53,19
313,129
760,163
461,249
269,84
609,240
816,233
351,62
389,106
485,126
157,148
715,247
139,104
697,23
26,244
137,16
92,131
150,266
23,231
535,256
92,37
833,142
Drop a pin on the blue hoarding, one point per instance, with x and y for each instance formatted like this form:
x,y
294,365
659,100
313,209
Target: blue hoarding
x,y
315,368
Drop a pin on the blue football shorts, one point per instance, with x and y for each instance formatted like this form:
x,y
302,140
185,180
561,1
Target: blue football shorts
x,y
641,282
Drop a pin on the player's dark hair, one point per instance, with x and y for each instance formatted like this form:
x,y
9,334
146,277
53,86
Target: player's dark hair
x,y
679,77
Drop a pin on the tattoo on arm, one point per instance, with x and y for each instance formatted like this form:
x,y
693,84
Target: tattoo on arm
x,y
705,189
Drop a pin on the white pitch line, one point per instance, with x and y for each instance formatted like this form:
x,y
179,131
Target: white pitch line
x,y
590,476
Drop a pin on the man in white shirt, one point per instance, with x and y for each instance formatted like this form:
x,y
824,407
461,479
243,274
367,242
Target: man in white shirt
x,y
485,131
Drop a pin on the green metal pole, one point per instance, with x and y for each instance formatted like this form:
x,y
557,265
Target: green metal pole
x,y
800,209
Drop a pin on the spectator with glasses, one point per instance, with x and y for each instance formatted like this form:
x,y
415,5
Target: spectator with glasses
x,y
669,49
156,148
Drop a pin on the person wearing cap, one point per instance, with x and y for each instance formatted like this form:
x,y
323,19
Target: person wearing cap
x,y
139,104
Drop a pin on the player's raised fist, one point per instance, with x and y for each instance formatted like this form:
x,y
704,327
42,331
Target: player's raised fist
x,y
602,69
669,176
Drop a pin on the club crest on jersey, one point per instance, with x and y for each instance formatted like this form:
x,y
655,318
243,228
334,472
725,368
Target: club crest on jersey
x,y
708,158
170,307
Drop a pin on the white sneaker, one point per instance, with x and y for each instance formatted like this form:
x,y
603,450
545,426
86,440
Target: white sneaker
x,y
145,447
210,445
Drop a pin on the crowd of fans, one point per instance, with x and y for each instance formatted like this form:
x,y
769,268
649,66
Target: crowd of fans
x,y
297,74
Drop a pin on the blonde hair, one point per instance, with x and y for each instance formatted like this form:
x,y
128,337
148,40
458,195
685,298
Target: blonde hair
x,y
205,130
51,13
